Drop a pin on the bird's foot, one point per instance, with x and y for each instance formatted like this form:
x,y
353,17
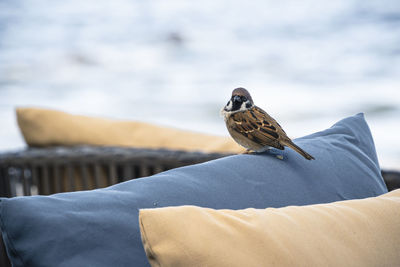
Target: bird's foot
x,y
275,153
248,151
269,151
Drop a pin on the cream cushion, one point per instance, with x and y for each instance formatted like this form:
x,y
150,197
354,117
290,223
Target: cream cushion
x,y
362,232
43,127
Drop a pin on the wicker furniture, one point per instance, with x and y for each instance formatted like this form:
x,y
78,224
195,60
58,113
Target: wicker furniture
x,y
60,169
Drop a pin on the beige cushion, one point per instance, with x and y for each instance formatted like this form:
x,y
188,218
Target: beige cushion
x,y
348,233
42,127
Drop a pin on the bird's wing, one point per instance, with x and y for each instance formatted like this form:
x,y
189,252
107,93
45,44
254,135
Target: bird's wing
x,y
256,125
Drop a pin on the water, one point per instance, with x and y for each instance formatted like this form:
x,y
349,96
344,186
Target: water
x,y
308,63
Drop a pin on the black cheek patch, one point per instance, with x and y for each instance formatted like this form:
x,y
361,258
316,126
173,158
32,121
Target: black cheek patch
x,y
248,105
236,106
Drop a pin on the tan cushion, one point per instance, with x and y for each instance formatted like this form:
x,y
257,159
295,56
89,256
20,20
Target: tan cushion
x,y
42,127
348,233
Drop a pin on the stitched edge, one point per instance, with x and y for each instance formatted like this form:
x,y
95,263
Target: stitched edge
x,y
146,243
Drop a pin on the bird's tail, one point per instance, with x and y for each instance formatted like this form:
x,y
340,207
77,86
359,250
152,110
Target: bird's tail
x,y
298,149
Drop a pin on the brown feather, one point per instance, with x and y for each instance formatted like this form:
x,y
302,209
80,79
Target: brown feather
x,y
253,121
255,129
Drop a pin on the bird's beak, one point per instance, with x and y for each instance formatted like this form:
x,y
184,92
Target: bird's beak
x,y
228,106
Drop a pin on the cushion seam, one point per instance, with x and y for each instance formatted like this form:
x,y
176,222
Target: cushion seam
x,y
147,242
7,236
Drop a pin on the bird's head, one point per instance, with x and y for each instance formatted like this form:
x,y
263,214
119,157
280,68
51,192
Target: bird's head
x,y
240,101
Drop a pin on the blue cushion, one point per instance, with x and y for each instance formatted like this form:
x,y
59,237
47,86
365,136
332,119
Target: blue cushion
x,y
100,227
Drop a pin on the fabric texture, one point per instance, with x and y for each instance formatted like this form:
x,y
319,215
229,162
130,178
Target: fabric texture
x,y
43,127
101,227
361,233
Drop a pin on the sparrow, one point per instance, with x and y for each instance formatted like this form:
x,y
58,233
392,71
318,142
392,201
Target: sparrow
x,y
252,127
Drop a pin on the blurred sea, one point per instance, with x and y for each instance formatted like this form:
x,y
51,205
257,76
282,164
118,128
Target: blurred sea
x,y
308,63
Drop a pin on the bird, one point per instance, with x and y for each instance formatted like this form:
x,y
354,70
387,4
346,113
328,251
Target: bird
x,y
252,127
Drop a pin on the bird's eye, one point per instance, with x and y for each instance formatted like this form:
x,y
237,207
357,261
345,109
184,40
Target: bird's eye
x,y
237,99
244,99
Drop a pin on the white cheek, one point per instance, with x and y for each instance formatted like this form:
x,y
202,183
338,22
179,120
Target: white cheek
x,y
243,106
229,106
